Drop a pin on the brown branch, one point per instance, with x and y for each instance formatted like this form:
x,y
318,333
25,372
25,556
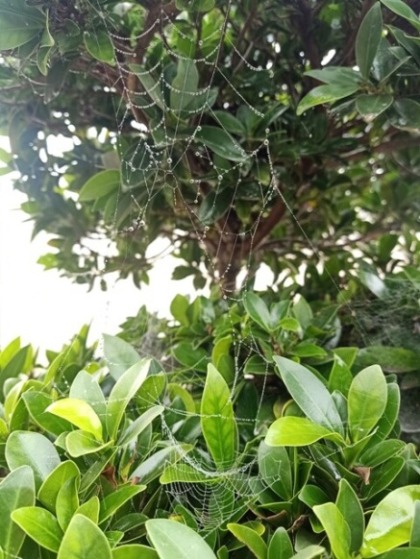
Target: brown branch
x,y
266,225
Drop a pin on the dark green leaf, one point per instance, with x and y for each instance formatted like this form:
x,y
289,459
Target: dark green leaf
x,y
371,106
100,185
325,94
99,45
350,507
368,39
214,206
220,142
403,9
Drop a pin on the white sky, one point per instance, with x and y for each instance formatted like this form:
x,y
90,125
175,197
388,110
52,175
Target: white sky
x,y
47,310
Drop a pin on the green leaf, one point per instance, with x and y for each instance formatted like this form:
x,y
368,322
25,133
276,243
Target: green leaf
x,y
173,540
350,507
366,401
49,490
310,394
153,466
116,499
213,207
368,39
40,525
139,424
184,473
415,531
24,448
280,546
310,552
67,501
218,421
90,509
229,122
220,142
100,185
275,469
17,490
119,355
409,111
404,553
402,9
195,5
124,390
391,522
258,311
184,85
19,25
336,527
84,540
371,106
325,94
298,431
336,75
37,404
99,45
390,415
380,452
85,387
79,413
250,538
134,551
150,85
80,443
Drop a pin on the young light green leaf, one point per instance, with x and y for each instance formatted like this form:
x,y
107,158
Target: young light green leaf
x,y
366,401
49,490
415,530
250,538
326,94
350,507
112,502
390,415
80,443
90,509
336,527
298,431
368,39
26,448
310,394
310,552
40,525
391,522
134,551
67,501
174,540
218,421
99,185
84,540
85,387
79,413
280,546
17,490
36,404
124,390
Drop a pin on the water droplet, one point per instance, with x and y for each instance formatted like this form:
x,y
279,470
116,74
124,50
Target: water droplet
x,y
198,128
169,160
142,223
267,131
266,142
200,43
220,177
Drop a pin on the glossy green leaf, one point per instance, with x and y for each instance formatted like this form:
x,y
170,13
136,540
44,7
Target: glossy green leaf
x,y
312,495
350,507
184,85
90,509
220,142
258,311
340,376
99,185
112,502
218,422
214,206
124,390
336,75
371,106
382,476
40,525
275,469
298,431
368,39
250,538
84,540
404,10
310,394
336,527
49,490
85,387
25,448
325,94
310,552
376,454
173,540
37,404
79,413
366,401
80,443
67,501
280,546
134,551
152,467
19,24
139,424
17,490
99,45
391,522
